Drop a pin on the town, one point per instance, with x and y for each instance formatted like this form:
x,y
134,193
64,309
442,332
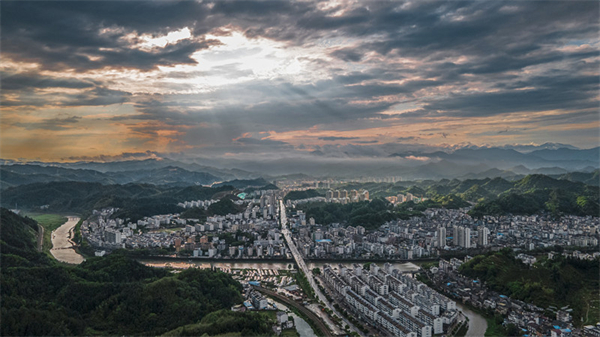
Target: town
x,y
255,233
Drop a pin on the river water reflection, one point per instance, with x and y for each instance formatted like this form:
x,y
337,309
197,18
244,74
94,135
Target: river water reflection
x,y
256,265
477,323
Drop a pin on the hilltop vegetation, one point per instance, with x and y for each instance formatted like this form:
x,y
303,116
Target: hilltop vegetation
x,y
297,195
564,194
231,324
222,207
531,194
15,175
135,200
537,193
369,214
113,295
557,282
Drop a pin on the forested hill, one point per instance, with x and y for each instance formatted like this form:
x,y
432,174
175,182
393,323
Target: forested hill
x,y
113,295
575,193
536,193
296,195
136,199
558,282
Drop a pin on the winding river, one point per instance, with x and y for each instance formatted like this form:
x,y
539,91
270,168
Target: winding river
x,y
477,323
62,245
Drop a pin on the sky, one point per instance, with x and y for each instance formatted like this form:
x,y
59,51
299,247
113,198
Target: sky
x,y
101,80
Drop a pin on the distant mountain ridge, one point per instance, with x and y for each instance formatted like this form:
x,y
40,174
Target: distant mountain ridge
x,y
479,162
15,175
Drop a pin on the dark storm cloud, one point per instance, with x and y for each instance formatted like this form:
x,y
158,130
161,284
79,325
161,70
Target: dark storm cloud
x,y
98,96
469,47
54,124
30,80
536,94
347,54
61,35
48,30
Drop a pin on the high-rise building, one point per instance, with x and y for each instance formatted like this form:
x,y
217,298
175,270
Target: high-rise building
x,y
329,195
263,201
343,194
336,194
467,237
441,232
483,233
455,236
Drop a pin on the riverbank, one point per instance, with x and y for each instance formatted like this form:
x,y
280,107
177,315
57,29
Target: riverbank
x,y
63,245
248,264
280,260
477,323
47,223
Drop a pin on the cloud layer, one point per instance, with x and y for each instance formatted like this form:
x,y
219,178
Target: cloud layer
x,y
273,78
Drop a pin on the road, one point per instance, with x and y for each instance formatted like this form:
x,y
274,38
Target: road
x,y
302,309
40,238
302,265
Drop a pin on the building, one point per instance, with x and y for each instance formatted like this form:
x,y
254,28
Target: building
x,y
483,233
466,237
441,232
259,302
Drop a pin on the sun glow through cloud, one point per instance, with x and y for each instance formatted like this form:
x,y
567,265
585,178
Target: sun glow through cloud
x,y
193,77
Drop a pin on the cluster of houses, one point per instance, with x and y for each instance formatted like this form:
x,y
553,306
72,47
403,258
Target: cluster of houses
x,y
391,300
529,318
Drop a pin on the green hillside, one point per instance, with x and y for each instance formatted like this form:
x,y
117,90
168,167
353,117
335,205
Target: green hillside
x,y
113,295
557,282
572,193
537,193
135,200
296,195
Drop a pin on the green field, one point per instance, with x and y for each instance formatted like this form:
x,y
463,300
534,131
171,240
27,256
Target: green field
x,y
50,222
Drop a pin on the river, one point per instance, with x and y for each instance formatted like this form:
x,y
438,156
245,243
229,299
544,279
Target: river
x,y
477,323
303,328
62,245
257,265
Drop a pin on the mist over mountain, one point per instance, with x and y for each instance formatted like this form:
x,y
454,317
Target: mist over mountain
x,y
372,161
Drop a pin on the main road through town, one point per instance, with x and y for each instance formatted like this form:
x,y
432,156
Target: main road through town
x,y
302,265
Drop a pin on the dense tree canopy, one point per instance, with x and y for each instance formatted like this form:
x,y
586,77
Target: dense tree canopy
x,y
111,295
559,282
